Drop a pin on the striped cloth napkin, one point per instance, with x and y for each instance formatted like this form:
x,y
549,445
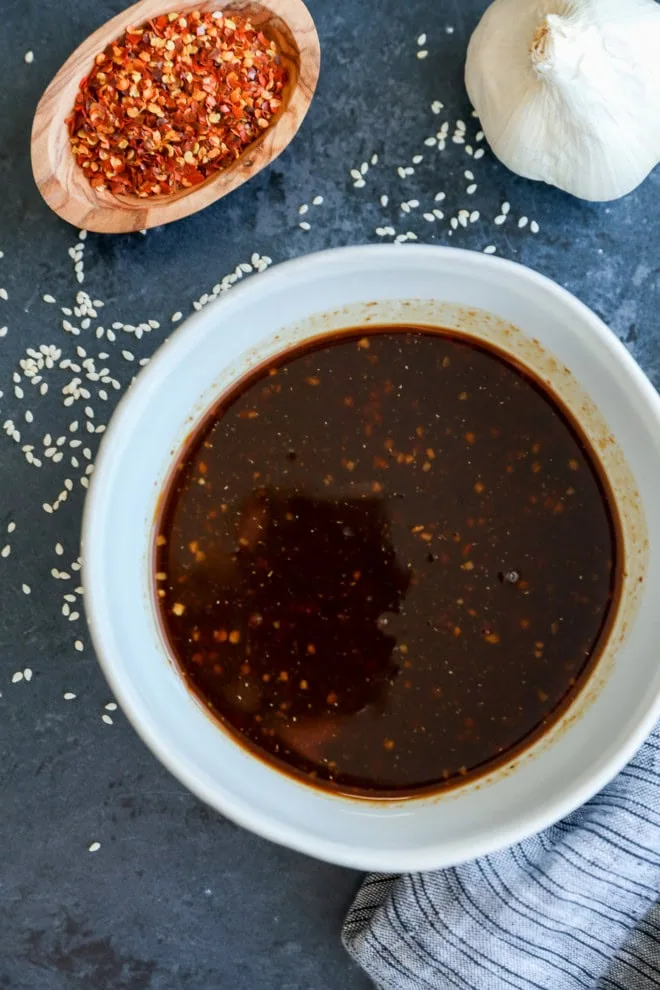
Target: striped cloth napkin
x,y
574,908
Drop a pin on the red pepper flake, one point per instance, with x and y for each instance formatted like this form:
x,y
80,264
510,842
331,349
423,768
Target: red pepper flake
x,y
173,102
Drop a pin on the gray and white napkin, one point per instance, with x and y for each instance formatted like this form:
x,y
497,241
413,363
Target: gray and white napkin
x,y
574,908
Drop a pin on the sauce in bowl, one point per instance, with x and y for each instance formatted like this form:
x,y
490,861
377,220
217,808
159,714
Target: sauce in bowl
x,y
387,561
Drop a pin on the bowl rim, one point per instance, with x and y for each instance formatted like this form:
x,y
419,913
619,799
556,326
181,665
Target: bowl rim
x,y
574,793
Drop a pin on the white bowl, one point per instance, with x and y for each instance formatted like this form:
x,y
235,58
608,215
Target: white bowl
x,y
546,329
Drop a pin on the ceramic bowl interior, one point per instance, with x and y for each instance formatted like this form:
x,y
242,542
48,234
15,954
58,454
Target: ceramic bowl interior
x,y
547,330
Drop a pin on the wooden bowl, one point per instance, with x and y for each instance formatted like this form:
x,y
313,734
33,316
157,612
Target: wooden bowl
x,y
62,182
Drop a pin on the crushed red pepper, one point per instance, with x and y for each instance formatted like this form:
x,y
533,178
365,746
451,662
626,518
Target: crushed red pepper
x,y
391,640
174,101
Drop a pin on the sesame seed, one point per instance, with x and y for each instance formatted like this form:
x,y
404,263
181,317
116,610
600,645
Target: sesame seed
x,y
523,222
499,220
6,550
26,589
423,53
69,696
94,847
107,720
471,189
421,40
384,200
78,645
506,207
304,225
17,677
417,159
111,706
47,298
302,210
491,249
27,674
534,227
29,57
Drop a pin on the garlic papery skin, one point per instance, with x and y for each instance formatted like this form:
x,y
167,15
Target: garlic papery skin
x,y
568,91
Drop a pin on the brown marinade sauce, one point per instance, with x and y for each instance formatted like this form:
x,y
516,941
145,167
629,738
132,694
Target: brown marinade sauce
x,y
386,562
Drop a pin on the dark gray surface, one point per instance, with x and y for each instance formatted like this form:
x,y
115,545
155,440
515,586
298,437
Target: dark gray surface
x,y
176,897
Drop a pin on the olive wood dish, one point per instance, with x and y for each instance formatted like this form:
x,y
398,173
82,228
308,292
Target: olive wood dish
x,y
66,189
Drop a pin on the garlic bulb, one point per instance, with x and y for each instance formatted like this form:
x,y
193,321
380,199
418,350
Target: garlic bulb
x,y
568,91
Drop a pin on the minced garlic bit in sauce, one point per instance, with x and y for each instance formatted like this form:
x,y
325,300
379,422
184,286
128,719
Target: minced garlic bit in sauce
x,y
400,566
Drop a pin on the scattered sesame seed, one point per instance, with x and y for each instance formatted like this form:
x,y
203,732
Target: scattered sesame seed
x,y
304,225
421,40
423,53
78,645
94,847
417,159
499,220
302,210
471,189
47,298
29,57
523,222
107,720
16,677
6,550
506,207
384,200
26,589
491,249
317,201
111,706
69,696
27,674
4,294
534,227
